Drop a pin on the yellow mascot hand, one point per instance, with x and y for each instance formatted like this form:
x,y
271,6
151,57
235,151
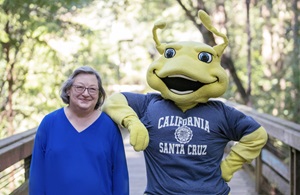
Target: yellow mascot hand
x,y
231,164
139,137
118,109
248,148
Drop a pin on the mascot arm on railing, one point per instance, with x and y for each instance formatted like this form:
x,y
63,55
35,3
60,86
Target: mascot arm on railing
x,y
118,109
247,149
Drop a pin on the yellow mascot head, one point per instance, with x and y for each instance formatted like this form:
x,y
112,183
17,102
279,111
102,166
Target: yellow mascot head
x,y
188,72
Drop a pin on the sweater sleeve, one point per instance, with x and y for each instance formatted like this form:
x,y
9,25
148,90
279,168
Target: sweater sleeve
x,y
120,171
36,175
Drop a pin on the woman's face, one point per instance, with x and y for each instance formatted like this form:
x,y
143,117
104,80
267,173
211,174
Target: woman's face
x,y
84,92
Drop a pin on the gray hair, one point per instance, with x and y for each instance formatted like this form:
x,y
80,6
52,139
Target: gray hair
x,y
69,82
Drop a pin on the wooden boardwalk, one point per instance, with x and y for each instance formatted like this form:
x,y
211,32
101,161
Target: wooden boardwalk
x,y
241,184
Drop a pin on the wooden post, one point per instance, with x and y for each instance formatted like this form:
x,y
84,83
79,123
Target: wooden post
x,y
27,162
258,174
294,171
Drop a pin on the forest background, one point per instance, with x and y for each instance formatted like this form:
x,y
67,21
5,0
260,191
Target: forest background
x,y
42,42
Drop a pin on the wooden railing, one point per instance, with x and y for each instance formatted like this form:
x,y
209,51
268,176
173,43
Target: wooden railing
x,y
270,171
16,149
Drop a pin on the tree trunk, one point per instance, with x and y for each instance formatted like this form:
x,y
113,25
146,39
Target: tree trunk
x,y
227,63
249,67
296,59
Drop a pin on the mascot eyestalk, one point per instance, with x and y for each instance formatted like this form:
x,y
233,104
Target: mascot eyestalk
x,y
183,131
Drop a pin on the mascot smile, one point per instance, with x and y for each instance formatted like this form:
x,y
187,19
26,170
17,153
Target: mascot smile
x,y
182,131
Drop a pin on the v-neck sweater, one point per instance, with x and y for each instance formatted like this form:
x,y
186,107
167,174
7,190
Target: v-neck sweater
x,y
68,162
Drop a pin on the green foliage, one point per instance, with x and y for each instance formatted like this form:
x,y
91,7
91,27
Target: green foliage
x,y
272,54
48,39
26,31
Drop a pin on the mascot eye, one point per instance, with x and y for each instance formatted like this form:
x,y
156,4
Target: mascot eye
x,y
205,57
170,53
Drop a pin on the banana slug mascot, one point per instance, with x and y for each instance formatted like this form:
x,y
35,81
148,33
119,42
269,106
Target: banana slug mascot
x,y
182,131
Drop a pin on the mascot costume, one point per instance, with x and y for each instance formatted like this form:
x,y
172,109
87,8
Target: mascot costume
x,y
182,131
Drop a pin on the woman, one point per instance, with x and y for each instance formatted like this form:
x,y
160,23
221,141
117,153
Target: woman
x,y
78,149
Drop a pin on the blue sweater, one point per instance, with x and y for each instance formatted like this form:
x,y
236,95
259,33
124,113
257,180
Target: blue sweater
x,y
66,162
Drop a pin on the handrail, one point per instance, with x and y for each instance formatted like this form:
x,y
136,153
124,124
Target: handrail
x,y
286,131
289,133
16,148
267,166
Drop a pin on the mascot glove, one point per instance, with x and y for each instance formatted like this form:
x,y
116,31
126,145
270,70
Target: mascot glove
x,y
139,137
231,164
248,148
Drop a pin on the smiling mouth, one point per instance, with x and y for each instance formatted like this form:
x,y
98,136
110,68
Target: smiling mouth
x,y
182,85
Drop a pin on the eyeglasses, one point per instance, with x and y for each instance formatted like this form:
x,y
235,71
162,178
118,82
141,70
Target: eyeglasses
x,y
81,89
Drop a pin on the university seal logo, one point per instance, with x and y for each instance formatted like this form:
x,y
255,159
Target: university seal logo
x,y
183,134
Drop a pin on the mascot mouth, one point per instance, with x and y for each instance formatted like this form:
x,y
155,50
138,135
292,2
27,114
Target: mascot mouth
x,y
182,85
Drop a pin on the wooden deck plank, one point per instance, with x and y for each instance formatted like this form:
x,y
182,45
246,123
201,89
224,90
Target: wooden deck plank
x,y
136,169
